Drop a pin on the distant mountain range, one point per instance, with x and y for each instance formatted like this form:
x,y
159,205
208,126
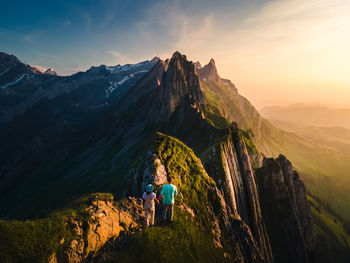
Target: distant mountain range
x,y
116,129
309,115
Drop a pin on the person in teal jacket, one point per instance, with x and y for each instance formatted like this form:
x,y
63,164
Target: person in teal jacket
x,y
169,191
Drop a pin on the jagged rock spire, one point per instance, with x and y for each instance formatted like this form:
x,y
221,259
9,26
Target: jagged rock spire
x,y
209,72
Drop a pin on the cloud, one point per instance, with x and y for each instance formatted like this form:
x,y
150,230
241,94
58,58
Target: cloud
x,y
108,18
46,56
29,39
120,57
292,49
167,26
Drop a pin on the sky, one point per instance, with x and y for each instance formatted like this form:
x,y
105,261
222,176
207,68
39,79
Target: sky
x,y
276,52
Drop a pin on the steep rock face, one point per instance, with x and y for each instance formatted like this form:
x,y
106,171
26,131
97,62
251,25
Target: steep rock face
x,y
179,83
286,211
180,80
297,194
237,183
255,219
146,84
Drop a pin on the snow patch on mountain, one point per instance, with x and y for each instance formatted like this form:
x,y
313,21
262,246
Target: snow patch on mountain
x,y
99,106
119,68
2,73
126,78
14,82
114,85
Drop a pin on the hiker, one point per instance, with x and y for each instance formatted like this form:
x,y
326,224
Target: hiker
x,y
169,191
149,197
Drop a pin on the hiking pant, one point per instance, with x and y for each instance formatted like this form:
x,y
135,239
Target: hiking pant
x,y
168,208
149,215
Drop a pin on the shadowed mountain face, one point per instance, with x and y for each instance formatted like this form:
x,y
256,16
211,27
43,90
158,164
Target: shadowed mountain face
x,y
73,145
41,112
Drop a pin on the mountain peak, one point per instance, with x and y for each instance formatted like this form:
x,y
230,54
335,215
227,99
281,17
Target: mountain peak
x,y
209,71
197,65
155,59
211,67
50,72
212,62
177,56
8,61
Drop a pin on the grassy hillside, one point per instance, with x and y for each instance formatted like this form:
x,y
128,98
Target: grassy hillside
x,y
37,240
325,172
85,164
331,238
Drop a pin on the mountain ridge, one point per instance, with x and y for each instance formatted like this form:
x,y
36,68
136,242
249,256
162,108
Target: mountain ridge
x,y
114,155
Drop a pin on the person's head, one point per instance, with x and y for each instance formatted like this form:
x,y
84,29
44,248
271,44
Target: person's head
x,y
149,188
170,180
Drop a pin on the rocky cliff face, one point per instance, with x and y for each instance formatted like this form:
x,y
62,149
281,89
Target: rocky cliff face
x,y
297,195
169,84
237,183
286,211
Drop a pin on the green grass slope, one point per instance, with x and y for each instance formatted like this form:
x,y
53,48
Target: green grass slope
x,y
37,240
331,238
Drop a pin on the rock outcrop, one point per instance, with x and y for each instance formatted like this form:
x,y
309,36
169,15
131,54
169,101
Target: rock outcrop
x,y
106,220
285,210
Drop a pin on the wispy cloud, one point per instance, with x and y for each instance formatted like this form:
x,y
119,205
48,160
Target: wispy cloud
x,y
29,38
46,56
108,18
120,58
166,27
